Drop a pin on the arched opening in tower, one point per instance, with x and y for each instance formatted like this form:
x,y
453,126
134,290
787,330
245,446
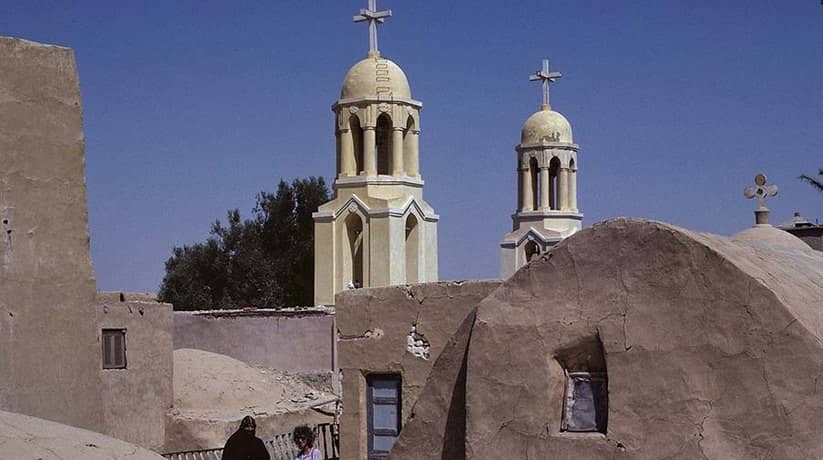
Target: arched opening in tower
x,y
531,250
412,249
383,144
554,170
357,143
354,251
534,170
572,185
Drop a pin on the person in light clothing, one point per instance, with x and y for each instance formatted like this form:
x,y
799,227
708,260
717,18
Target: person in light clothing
x,y
303,437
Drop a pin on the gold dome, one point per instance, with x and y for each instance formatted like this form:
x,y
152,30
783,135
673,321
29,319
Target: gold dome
x,y
373,73
546,125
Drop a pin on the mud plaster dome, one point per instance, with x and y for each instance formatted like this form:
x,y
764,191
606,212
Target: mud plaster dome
x,y
29,438
546,125
712,348
770,237
362,79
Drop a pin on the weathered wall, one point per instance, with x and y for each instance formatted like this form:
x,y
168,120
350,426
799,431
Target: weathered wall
x,y
712,348
301,341
437,428
374,326
137,399
49,355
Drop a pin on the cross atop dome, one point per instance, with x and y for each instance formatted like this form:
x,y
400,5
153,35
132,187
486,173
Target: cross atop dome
x,y
546,77
761,191
373,17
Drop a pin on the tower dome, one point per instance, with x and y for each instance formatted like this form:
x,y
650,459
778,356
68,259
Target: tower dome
x,y
546,125
373,77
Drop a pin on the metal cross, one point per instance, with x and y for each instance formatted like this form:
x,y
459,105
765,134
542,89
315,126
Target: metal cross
x,y
761,191
546,77
374,17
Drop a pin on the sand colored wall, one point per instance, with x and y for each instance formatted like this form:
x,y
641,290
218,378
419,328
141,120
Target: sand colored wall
x,y
49,355
374,326
712,348
137,399
296,342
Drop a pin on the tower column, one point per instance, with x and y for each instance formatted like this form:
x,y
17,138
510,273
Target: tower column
x,y
573,189
411,156
526,189
346,153
369,160
544,188
397,152
563,189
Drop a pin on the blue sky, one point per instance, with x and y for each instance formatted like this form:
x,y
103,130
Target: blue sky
x,y
192,107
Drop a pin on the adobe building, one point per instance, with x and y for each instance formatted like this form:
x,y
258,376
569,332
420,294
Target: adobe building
x,y
546,184
636,339
67,354
377,230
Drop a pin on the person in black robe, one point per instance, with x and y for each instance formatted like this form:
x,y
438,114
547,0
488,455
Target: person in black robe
x,y
244,445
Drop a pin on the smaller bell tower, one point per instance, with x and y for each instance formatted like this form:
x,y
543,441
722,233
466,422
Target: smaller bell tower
x,y
546,184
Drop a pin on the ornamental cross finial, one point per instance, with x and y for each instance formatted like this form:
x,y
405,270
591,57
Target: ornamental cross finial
x,y
546,77
761,191
374,17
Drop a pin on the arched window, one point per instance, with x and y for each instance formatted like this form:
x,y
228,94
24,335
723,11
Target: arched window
x,y
534,170
353,252
554,170
412,249
531,250
383,144
357,143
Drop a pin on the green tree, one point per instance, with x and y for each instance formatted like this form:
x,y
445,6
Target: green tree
x,y
264,261
816,184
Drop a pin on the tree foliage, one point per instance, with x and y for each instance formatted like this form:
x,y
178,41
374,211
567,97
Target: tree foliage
x,y
264,261
817,184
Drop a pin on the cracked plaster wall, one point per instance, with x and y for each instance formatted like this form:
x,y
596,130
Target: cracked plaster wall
x,y
373,330
49,357
713,350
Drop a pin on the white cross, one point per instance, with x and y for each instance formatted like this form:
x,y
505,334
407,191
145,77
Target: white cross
x,y
761,191
546,77
374,17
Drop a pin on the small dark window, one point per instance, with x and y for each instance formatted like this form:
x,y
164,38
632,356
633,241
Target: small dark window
x,y
384,412
114,348
585,407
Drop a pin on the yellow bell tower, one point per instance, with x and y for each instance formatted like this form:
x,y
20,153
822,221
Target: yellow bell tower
x,y
377,230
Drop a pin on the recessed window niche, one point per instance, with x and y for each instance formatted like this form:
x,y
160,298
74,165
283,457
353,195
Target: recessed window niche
x,y
586,392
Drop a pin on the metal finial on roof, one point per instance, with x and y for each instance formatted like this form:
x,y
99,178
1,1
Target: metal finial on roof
x,y
374,17
546,77
761,191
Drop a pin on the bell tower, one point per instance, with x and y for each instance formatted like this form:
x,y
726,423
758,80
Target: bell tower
x,y
546,181
377,230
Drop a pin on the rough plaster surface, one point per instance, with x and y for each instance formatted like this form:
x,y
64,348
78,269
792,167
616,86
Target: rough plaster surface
x,y
137,399
213,392
28,438
439,415
712,347
49,355
374,327
291,343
